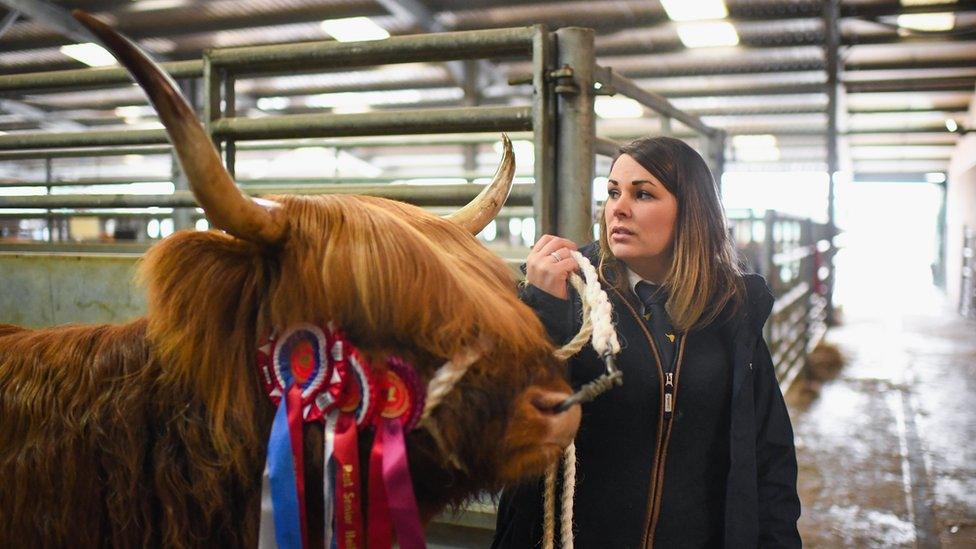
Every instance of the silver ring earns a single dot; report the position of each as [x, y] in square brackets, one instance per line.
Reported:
[555, 257]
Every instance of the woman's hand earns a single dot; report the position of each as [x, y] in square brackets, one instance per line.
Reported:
[549, 263]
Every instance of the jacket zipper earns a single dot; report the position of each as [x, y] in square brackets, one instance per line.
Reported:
[668, 398]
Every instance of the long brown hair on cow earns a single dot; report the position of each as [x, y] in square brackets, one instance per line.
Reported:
[154, 432]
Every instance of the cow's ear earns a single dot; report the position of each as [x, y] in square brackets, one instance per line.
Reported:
[204, 292]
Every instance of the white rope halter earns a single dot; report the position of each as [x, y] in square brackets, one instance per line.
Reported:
[597, 328]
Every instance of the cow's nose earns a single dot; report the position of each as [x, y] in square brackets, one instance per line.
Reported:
[561, 426]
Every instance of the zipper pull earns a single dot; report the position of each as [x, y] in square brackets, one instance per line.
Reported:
[668, 395]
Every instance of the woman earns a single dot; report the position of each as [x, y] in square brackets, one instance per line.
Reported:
[695, 449]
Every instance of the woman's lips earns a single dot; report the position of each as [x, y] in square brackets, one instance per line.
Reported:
[619, 234]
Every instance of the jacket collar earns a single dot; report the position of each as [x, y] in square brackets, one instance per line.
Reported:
[740, 330]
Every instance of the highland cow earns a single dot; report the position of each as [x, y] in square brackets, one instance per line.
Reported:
[154, 433]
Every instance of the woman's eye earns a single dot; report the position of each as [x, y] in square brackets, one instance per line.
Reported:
[644, 195]
[613, 193]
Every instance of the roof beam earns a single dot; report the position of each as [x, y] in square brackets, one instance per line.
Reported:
[53, 17]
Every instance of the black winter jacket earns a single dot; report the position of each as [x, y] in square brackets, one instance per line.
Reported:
[617, 500]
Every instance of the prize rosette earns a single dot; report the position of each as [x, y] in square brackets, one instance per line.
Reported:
[299, 355]
[357, 391]
[402, 397]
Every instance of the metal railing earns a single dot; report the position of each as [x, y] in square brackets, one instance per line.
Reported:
[560, 121]
[792, 253]
[967, 289]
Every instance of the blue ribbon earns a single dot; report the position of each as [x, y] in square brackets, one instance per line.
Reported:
[281, 471]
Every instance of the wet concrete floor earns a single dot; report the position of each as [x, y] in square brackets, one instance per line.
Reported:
[887, 448]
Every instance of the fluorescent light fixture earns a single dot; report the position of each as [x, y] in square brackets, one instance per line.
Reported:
[708, 34]
[756, 148]
[926, 2]
[354, 29]
[351, 109]
[373, 98]
[927, 21]
[90, 54]
[273, 103]
[617, 107]
[694, 10]
[951, 125]
[935, 177]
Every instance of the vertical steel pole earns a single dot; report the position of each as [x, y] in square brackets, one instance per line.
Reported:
[544, 131]
[229, 111]
[183, 217]
[831, 55]
[575, 136]
[48, 177]
[715, 157]
[472, 98]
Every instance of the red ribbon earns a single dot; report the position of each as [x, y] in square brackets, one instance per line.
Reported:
[379, 526]
[294, 407]
[349, 517]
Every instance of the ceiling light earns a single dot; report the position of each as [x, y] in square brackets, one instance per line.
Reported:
[756, 148]
[935, 177]
[925, 2]
[695, 10]
[354, 29]
[617, 107]
[90, 54]
[951, 125]
[707, 34]
[273, 103]
[927, 21]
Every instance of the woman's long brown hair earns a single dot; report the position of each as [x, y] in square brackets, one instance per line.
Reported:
[703, 277]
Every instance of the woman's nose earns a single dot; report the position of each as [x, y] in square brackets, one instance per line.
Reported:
[620, 208]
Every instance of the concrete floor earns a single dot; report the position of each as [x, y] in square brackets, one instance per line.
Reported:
[887, 450]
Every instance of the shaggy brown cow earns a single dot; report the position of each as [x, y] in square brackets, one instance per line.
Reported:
[154, 432]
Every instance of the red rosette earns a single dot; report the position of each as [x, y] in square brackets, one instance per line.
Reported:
[299, 356]
[402, 396]
[358, 389]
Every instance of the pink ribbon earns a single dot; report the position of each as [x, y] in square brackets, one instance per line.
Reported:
[399, 488]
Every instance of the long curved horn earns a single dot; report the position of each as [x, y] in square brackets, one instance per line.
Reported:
[478, 213]
[226, 207]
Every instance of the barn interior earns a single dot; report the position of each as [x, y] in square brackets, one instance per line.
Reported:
[841, 134]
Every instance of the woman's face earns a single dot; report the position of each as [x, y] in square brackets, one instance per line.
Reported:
[640, 216]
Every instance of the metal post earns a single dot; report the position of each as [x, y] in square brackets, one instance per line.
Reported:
[229, 111]
[831, 45]
[715, 156]
[472, 98]
[182, 218]
[48, 176]
[575, 135]
[544, 131]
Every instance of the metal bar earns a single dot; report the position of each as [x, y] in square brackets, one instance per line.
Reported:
[621, 84]
[53, 17]
[267, 181]
[505, 212]
[8, 21]
[82, 153]
[433, 195]
[831, 45]
[544, 104]
[77, 79]
[364, 142]
[376, 123]
[575, 136]
[399, 49]
[606, 147]
[87, 181]
[56, 140]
